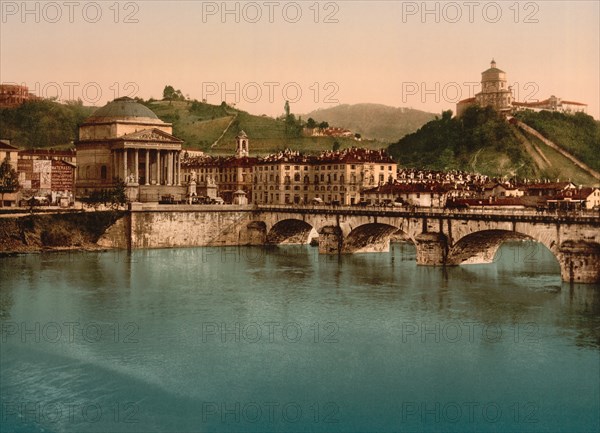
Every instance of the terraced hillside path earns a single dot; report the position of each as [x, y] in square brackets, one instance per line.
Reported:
[558, 148]
[235, 116]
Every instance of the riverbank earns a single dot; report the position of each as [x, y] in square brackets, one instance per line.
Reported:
[35, 232]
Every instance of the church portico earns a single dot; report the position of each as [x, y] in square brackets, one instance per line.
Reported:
[138, 165]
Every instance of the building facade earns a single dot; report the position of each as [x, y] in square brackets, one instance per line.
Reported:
[125, 141]
[289, 177]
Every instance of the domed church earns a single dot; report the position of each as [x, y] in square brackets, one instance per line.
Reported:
[125, 141]
[495, 92]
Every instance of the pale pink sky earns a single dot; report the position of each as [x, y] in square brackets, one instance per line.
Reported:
[390, 52]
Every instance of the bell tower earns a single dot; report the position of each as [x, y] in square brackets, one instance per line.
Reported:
[241, 141]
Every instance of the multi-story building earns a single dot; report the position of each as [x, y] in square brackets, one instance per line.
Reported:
[332, 177]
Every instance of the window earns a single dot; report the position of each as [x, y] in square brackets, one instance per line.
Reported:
[103, 172]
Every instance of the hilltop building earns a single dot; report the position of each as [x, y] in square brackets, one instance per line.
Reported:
[125, 141]
[552, 104]
[13, 95]
[495, 92]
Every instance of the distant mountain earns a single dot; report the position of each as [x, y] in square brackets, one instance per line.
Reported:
[373, 121]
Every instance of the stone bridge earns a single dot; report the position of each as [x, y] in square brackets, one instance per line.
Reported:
[440, 237]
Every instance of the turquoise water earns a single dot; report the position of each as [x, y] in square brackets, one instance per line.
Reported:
[285, 340]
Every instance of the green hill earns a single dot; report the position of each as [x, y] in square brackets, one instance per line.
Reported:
[375, 121]
[43, 123]
[578, 134]
[210, 128]
[483, 141]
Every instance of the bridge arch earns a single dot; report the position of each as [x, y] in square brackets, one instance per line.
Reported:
[369, 237]
[482, 246]
[289, 231]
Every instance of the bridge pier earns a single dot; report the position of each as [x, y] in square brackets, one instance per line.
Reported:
[579, 262]
[331, 240]
[432, 249]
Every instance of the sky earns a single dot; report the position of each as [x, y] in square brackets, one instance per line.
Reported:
[257, 55]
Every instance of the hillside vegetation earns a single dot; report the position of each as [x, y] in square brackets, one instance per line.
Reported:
[373, 120]
[578, 134]
[43, 123]
[206, 127]
[213, 128]
[483, 141]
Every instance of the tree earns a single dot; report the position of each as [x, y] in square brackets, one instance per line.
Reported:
[310, 123]
[170, 94]
[323, 125]
[287, 109]
[9, 179]
[336, 145]
[113, 198]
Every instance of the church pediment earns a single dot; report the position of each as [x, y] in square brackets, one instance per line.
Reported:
[153, 134]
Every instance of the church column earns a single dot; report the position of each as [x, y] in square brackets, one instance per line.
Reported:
[170, 168]
[173, 166]
[115, 167]
[137, 166]
[125, 165]
[179, 168]
[147, 173]
[157, 167]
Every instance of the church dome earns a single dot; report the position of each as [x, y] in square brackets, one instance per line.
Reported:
[124, 109]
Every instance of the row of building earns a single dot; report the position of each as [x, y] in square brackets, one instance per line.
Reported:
[289, 177]
[538, 195]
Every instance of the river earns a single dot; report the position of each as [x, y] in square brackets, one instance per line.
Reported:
[281, 339]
